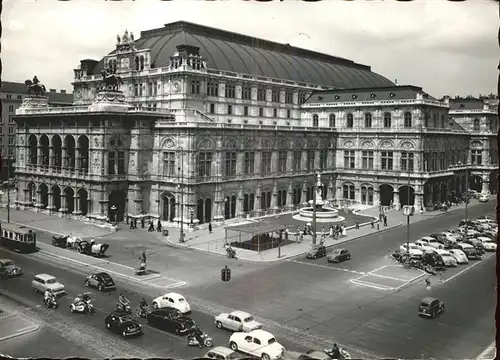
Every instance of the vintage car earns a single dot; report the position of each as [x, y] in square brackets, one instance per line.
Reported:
[415, 251]
[8, 269]
[489, 244]
[459, 255]
[430, 307]
[60, 241]
[338, 255]
[171, 320]
[223, 353]
[237, 321]
[258, 343]
[123, 324]
[172, 300]
[484, 198]
[44, 282]
[445, 255]
[470, 251]
[101, 280]
[431, 241]
[316, 252]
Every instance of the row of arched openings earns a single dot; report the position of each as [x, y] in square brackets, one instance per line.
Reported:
[407, 117]
[65, 153]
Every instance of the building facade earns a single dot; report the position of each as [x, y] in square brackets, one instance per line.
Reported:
[212, 126]
[12, 95]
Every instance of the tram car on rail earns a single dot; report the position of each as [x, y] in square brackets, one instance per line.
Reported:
[17, 237]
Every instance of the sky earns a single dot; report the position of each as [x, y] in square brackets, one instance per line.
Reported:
[446, 48]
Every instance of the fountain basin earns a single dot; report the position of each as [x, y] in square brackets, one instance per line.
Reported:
[323, 214]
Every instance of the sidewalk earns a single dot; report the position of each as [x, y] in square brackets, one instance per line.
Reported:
[13, 324]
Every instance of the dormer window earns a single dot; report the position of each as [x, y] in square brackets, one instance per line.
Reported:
[112, 66]
[476, 125]
[407, 120]
[315, 120]
[350, 121]
[354, 96]
[139, 63]
[368, 120]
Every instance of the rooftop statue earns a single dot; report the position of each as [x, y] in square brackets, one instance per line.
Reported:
[35, 86]
[111, 81]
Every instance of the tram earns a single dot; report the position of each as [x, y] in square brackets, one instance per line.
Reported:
[18, 238]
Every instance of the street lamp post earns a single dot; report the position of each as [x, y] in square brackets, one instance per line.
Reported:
[314, 212]
[180, 174]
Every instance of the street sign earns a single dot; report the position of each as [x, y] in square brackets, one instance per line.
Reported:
[407, 210]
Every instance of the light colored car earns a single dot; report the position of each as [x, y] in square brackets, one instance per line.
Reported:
[424, 246]
[470, 231]
[222, 353]
[172, 300]
[432, 242]
[448, 260]
[489, 245]
[451, 236]
[414, 250]
[258, 343]
[44, 282]
[459, 255]
[237, 321]
[484, 198]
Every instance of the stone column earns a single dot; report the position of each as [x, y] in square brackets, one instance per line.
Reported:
[218, 204]
[256, 205]
[239, 204]
[289, 196]
[39, 155]
[289, 161]
[78, 160]
[316, 159]
[331, 190]
[63, 208]
[486, 184]
[51, 156]
[395, 199]
[274, 195]
[240, 163]
[38, 203]
[418, 201]
[64, 155]
[304, 194]
[274, 162]
[26, 196]
[76, 205]
[51, 206]
[303, 165]
[376, 196]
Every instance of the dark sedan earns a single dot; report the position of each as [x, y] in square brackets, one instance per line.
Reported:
[123, 324]
[8, 269]
[316, 252]
[171, 320]
[101, 281]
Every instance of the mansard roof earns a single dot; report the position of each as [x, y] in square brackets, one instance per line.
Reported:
[228, 51]
[404, 92]
[466, 104]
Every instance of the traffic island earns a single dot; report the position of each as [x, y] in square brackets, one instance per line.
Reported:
[12, 325]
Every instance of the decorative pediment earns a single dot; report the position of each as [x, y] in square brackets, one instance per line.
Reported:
[266, 144]
[348, 144]
[206, 144]
[387, 144]
[476, 145]
[167, 143]
[250, 143]
[407, 145]
[427, 145]
[298, 144]
[283, 144]
[367, 144]
[230, 144]
[313, 144]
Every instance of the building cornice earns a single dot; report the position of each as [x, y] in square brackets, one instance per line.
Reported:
[349, 104]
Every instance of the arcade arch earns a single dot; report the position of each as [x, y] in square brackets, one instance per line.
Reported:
[168, 202]
[386, 194]
[406, 195]
[204, 210]
[117, 198]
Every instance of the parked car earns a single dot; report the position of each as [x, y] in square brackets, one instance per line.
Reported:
[171, 320]
[484, 198]
[316, 252]
[470, 251]
[430, 307]
[44, 282]
[434, 260]
[172, 300]
[314, 355]
[424, 246]
[123, 324]
[338, 255]
[258, 343]
[237, 321]
[449, 261]
[223, 353]
[459, 255]
[8, 269]
[489, 245]
[478, 244]
[415, 251]
[469, 223]
[101, 280]
[431, 241]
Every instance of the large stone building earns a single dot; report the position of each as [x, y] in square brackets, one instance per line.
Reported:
[215, 125]
[11, 95]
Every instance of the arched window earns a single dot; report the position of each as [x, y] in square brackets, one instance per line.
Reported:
[332, 120]
[142, 63]
[315, 120]
[368, 120]
[137, 63]
[348, 192]
[350, 121]
[387, 120]
[476, 124]
[407, 120]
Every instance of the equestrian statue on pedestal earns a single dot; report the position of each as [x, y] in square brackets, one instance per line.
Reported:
[35, 86]
[110, 81]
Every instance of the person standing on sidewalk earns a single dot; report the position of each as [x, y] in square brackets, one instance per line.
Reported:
[385, 220]
[372, 222]
[209, 228]
[357, 225]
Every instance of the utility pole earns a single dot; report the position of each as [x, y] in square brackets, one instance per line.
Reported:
[314, 213]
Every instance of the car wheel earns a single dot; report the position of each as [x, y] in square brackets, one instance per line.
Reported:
[87, 283]
[218, 324]
[155, 305]
[266, 357]
[233, 346]
[100, 287]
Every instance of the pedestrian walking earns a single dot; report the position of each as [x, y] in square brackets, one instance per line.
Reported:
[372, 223]
[385, 220]
[131, 224]
[209, 228]
[142, 223]
[357, 225]
[428, 282]
[158, 227]
[135, 223]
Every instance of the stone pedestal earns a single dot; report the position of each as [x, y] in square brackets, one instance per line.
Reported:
[109, 100]
[31, 103]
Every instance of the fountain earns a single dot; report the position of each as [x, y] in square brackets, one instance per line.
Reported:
[324, 213]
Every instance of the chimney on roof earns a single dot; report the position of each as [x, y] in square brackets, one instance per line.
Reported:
[53, 90]
[63, 91]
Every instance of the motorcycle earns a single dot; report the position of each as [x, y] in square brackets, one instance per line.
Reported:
[82, 307]
[193, 341]
[141, 312]
[231, 253]
[142, 269]
[50, 303]
[124, 308]
[343, 354]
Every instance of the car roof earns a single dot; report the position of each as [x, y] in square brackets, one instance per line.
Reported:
[102, 273]
[165, 311]
[428, 300]
[428, 238]
[441, 251]
[239, 313]
[174, 295]
[45, 276]
[221, 350]
[338, 250]
[261, 333]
